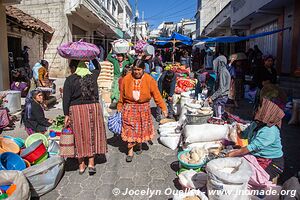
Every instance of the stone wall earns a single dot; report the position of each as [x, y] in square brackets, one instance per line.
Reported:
[51, 12]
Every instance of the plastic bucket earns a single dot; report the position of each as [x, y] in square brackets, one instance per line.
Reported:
[27, 163]
[41, 159]
[12, 161]
[8, 145]
[19, 141]
[35, 137]
[34, 152]
[187, 165]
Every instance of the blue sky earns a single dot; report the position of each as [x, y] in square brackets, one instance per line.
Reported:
[157, 11]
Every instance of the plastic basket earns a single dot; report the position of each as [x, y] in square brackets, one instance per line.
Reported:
[197, 119]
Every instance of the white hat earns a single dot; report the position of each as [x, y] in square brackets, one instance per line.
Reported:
[149, 50]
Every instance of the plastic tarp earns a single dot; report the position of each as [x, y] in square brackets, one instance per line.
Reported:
[232, 39]
[168, 41]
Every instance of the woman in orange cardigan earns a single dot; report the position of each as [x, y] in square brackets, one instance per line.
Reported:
[136, 92]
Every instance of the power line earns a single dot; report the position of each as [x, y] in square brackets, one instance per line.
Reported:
[178, 3]
[172, 14]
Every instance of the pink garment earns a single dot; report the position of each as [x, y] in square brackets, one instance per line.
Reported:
[260, 178]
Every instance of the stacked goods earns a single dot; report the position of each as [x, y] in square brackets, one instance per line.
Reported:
[105, 80]
[184, 85]
[178, 69]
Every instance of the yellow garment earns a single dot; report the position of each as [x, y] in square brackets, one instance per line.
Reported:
[82, 70]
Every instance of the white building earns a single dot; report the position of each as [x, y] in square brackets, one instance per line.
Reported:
[206, 11]
[95, 21]
[187, 27]
[142, 30]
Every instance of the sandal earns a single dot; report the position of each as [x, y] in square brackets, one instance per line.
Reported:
[82, 171]
[92, 171]
[129, 158]
[140, 150]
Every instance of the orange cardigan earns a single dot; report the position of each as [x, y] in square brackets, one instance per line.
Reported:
[149, 89]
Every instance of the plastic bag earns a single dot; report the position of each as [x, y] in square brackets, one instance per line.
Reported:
[115, 123]
[45, 176]
[193, 180]
[205, 133]
[15, 177]
[170, 140]
[228, 174]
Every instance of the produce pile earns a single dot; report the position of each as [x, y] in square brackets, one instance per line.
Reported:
[184, 85]
[195, 156]
[179, 69]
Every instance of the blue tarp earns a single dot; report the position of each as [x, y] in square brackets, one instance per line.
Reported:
[180, 40]
[232, 39]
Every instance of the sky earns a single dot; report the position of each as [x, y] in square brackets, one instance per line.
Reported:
[158, 11]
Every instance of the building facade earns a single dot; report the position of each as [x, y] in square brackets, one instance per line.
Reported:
[142, 30]
[4, 70]
[187, 27]
[206, 11]
[96, 21]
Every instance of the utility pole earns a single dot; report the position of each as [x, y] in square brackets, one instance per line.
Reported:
[135, 20]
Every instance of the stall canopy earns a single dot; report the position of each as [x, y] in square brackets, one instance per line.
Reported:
[176, 38]
[232, 39]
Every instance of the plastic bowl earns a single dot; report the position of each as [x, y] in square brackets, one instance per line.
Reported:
[41, 159]
[19, 141]
[34, 151]
[8, 145]
[12, 161]
[187, 165]
[35, 137]
[27, 163]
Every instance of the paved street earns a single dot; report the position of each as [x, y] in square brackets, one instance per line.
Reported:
[155, 168]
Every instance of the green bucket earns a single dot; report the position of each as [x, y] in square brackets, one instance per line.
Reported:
[35, 137]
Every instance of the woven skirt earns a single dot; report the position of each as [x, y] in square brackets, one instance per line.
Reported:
[88, 126]
[137, 123]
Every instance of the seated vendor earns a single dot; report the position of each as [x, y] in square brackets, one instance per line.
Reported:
[264, 138]
[34, 116]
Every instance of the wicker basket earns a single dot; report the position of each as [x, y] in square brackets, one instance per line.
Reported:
[197, 119]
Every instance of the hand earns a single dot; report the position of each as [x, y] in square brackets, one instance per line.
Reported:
[238, 129]
[67, 121]
[170, 99]
[165, 113]
[209, 100]
[50, 121]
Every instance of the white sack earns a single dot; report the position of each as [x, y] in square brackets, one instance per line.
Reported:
[193, 180]
[181, 195]
[205, 133]
[171, 141]
[8, 177]
[228, 174]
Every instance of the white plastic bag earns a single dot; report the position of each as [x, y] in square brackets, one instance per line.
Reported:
[170, 140]
[193, 180]
[8, 177]
[205, 133]
[169, 124]
[120, 46]
[230, 175]
[45, 176]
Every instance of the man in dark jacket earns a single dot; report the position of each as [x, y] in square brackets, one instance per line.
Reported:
[166, 86]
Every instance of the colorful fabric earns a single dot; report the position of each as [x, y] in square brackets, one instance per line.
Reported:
[115, 90]
[78, 51]
[137, 123]
[4, 118]
[259, 178]
[88, 126]
[115, 123]
[269, 113]
[82, 70]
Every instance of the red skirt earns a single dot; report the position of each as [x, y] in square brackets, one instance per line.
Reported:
[88, 126]
[137, 124]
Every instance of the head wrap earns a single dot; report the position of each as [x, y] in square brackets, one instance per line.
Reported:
[82, 70]
[28, 103]
[269, 113]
